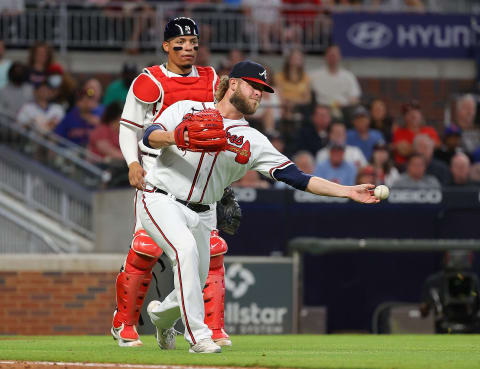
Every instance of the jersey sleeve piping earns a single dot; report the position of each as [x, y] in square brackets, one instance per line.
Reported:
[283, 165]
[129, 122]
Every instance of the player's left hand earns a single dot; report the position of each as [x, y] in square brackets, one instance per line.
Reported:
[363, 193]
[136, 175]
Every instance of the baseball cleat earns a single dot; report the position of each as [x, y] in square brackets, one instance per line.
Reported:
[220, 337]
[126, 335]
[166, 338]
[205, 346]
[223, 342]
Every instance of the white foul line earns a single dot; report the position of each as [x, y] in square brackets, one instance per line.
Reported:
[110, 365]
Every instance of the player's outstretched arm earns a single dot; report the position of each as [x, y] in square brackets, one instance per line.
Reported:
[360, 193]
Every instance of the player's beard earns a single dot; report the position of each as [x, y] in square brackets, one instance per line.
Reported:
[241, 103]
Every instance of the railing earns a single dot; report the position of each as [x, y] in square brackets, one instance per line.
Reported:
[18, 236]
[74, 25]
[44, 190]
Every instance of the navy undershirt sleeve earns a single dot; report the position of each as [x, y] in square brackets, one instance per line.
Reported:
[292, 176]
[148, 132]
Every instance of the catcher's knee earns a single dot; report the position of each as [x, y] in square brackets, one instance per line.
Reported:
[143, 254]
[218, 246]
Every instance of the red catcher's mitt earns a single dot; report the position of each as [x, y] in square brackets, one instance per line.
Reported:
[205, 132]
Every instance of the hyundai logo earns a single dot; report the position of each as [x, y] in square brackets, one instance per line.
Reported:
[369, 35]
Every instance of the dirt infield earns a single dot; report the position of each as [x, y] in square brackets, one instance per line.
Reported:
[61, 365]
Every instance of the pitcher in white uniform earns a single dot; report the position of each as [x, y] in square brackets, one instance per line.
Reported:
[183, 188]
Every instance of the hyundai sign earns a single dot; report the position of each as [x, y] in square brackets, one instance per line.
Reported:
[401, 35]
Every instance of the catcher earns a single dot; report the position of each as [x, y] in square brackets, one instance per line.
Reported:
[150, 94]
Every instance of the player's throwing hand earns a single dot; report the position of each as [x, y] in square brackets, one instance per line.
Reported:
[363, 193]
[136, 175]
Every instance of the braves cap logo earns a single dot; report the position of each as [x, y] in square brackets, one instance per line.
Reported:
[263, 74]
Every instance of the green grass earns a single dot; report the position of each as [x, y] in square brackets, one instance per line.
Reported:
[288, 351]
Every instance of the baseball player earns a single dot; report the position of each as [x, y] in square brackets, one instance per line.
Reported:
[150, 94]
[195, 164]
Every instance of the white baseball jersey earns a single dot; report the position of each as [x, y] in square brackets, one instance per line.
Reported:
[139, 115]
[202, 177]
[184, 234]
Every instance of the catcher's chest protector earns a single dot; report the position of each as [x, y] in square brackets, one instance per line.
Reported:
[185, 88]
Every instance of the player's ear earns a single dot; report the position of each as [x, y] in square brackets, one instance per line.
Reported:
[165, 46]
[233, 83]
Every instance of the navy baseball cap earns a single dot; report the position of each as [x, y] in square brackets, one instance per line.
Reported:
[250, 71]
[181, 26]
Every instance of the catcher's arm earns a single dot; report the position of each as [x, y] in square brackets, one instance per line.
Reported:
[157, 138]
[202, 131]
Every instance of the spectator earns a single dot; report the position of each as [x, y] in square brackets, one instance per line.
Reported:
[79, 122]
[305, 161]
[293, 84]
[301, 21]
[118, 89]
[4, 65]
[41, 114]
[362, 136]
[17, 92]
[380, 119]
[203, 56]
[366, 175]
[399, 5]
[423, 145]
[475, 173]
[466, 109]
[338, 134]
[313, 136]
[333, 85]
[335, 168]
[415, 176]
[251, 179]
[460, 169]
[385, 171]
[40, 60]
[234, 56]
[63, 85]
[288, 125]
[104, 140]
[403, 136]
[450, 144]
[12, 7]
[95, 89]
[277, 141]
[264, 17]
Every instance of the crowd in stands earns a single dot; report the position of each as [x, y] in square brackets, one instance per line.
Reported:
[267, 25]
[319, 118]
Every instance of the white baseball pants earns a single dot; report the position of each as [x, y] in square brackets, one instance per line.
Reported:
[184, 236]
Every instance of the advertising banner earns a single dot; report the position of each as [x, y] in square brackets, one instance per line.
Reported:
[259, 296]
[405, 35]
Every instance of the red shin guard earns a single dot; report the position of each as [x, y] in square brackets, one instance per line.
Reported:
[133, 282]
[214, 291]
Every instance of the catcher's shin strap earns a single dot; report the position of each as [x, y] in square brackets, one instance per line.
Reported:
[197, 208]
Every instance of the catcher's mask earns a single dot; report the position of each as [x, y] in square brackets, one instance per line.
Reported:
[180, 26]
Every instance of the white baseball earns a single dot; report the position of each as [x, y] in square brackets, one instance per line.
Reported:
[381, 192]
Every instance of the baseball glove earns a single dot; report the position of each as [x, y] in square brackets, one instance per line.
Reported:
[229, 213]
[205, 132]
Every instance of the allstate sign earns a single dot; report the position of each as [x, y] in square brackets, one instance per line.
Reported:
[404, 35]
[369, 35]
